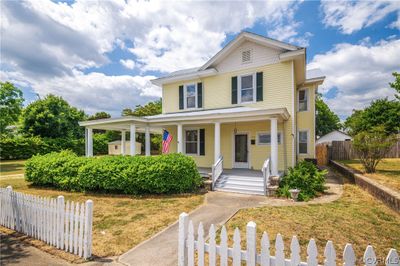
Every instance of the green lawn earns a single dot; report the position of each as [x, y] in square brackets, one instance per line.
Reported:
[12, 167]
[355, 218]
[387, 172]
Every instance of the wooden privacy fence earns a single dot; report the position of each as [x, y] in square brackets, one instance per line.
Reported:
[188, 247]
[343, 150]
[65, 226]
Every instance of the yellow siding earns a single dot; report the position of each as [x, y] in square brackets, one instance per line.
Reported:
[258, 153]
[306, 121]
[278, 92]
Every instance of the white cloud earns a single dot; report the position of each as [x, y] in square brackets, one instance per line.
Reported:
[53, 47]
[360, 72]
[94, 91]
[128, 63]
[351, 16]
[396, 24]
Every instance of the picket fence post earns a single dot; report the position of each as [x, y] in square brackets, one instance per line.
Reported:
[87, 247]
[183, 231]
[64, 226]
[250, 256]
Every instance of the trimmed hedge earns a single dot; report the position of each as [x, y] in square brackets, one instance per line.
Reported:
[306, 177]
[20, 147]
[171, 173]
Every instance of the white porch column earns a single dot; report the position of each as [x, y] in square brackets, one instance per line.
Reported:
[147, 141]
[123, 142]
[274, 146]
[132, 137]
[180, 139]
[217, 141]
[89, 142]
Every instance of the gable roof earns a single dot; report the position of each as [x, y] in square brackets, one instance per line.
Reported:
[248, 36]
[288, 52]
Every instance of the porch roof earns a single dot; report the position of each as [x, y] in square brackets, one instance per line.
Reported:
[223, 115]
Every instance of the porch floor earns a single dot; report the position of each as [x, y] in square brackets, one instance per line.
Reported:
[204, 171]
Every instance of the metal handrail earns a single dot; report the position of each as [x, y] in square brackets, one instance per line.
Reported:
[266, 170]
[217, 169]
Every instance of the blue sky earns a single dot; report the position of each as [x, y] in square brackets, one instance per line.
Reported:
[101, 55]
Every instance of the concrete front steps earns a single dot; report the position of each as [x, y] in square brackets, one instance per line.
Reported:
[245, 184]
[240, 184]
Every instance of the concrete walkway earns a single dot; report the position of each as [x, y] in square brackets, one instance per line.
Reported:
[15, 252]
[162, 249]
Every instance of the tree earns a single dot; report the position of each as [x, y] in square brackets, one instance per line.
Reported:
[380, 112]
[99, 115]
[52, 117]
[372, 146]
[10, 105]
[396, 84]
[151, 108]
[326, 120]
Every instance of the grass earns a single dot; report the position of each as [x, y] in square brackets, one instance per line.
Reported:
[355, 218]
[12, 167]
[387, 171]
[120, 222]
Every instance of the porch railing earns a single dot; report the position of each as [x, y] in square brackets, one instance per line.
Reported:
[266, 171]
[217, 169]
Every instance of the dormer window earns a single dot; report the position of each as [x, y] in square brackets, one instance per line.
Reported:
[246, 56]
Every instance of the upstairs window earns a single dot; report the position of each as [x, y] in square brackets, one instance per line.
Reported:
[303, 100]
[190, 96]
[247, 88]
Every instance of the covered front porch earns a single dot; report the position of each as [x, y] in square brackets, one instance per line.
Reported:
[223, 140]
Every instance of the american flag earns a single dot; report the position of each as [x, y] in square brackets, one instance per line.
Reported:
[166, 140]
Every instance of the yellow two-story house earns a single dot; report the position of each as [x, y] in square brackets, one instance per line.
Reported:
[251, 106]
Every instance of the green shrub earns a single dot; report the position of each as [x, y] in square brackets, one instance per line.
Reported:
[171, 173]
[21, 147]
[306, 177]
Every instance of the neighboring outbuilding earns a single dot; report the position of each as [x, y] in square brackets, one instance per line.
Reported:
[335, 135]
[114, 147]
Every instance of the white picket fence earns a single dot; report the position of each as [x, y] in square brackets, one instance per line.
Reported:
[188, 247]
[65, 226]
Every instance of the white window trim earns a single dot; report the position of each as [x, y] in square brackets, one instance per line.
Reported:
[266, 132]
[198, 141]
[307, 99]
[239, 92]
[308, 142]
[185, 96]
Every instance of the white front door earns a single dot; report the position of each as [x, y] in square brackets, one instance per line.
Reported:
[241, 150]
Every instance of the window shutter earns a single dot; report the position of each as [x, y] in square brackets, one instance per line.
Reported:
[199, 95]
[259, 80]
[181, 97]
[234, 90]
[202, 142]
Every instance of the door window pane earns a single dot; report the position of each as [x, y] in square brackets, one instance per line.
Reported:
[241, 148]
